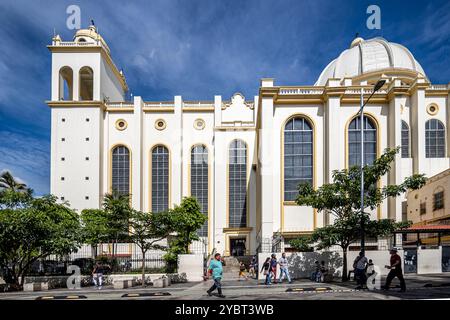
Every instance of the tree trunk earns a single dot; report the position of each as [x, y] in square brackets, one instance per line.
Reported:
[143, 268]
[344, 267]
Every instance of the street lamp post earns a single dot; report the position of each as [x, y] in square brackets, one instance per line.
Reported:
[377, 87]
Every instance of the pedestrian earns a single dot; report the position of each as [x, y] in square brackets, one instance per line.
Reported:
[316, 275]
[323, 271]
[396, 271]
[215, 269]
[370, 268]
[242, 270]
[266, 270]
[97, 275]
[283, 262]
[273, 267]
[359, 265]
[253, 267]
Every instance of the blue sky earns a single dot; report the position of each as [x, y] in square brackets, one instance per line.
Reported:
[196, 49]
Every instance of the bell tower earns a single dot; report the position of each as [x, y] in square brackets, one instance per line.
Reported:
[84, 79]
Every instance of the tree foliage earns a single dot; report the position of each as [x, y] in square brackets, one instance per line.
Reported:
[342, 199]
[27, 234]
[187, 219]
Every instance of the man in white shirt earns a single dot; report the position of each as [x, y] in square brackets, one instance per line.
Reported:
[283, 262]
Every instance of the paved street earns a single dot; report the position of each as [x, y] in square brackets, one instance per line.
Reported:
[419, 287]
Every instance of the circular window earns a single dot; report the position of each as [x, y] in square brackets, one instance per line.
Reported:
[199, 124]
[432, 109]
[121, 124]
[160, 124]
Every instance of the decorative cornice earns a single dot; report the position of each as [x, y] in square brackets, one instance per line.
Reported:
[75, 104]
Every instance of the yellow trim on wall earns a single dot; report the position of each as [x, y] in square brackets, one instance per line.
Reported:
[237, 235]
[209, 186]
[292, 203]
[169, 198]
[247, 174]
[377, 125]
[110, 167]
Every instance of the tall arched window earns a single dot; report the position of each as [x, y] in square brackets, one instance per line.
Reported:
[160, 179]
[434, 139]
[199, 182]
[298, 156]
[120, 175]
[354, 141]
[86, 84]
[237, 184]
[65, 84]
[405, 140]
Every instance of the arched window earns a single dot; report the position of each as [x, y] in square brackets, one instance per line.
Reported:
[434, 139]
[298, 156]
[199, 182]
[354, 141]
[86, 84]
[237, 184]
[160, 179]
[65, 84]
[120, 175]
[405, 140]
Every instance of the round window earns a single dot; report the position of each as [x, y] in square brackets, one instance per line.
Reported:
[121, 124]
[199, 124]
[160, 124]
[432, 109]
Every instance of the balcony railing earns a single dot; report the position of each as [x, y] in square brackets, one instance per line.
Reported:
[159, 104]
[120, 105]
[288, 91]
[198, 104]
[438, 87]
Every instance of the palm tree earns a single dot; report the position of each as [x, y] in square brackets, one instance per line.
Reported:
[7, 182]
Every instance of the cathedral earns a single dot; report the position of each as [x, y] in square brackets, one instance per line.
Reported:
[241, 157]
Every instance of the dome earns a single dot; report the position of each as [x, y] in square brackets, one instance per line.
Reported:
[90, 36]
[369, 56]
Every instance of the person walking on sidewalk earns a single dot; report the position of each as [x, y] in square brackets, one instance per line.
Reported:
[283, 262]
[359, 265]
[273, 267]
[266, 270]
[242, 270]
[396, 271]
[215, 269]
[253, 268]
[97, 275]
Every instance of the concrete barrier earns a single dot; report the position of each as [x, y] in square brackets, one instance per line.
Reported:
[124, 283]
[35, 286]
[429, 260]
[191, 265]
[159, 283]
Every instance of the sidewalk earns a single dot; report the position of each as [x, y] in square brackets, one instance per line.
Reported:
[418, 287]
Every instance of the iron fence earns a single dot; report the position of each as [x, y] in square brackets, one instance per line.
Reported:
[121, 258]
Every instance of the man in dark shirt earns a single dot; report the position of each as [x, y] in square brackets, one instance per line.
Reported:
[396, 271]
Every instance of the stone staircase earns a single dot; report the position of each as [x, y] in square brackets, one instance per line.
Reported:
[231, 267]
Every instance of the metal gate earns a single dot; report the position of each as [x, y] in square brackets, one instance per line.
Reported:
[445, 258]
[410, 260]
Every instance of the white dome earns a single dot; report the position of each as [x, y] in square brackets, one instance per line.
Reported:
[371, 55]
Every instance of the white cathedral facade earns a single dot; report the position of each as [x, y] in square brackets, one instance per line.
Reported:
[242, 158]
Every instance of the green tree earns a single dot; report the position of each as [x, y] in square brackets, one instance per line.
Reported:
[95, 227]
[147, 229]
[187, 219]
[118, 210]
[341, 198]
[28, 234]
